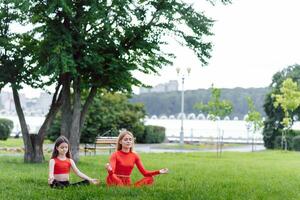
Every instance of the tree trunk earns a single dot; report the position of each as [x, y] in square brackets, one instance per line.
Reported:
[28, 148]
[54, 108]
[78, 117]
[34, 143]
[66, 116]
[75, 126]
[87, 104]
[37, 145]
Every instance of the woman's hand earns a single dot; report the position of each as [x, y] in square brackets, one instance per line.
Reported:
[108, 167]
[164, 171]
[50, 180]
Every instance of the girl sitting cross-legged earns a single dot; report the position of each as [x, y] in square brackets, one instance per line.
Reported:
[122, 162]
[60, 164]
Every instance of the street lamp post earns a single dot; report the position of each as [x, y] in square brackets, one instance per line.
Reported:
[182, 74]
[248, 126]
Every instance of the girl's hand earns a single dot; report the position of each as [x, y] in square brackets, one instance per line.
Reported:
[95, 181]
[108, 167]
[50, 180]
[164, 171]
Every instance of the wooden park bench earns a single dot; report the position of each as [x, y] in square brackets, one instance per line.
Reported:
[101, 143]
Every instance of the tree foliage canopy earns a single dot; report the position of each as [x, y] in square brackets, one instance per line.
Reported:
[14, 49]
[215, 107]
[104, 41]
[276, 114]
[253, 117]
[107, 115]
[288, 99]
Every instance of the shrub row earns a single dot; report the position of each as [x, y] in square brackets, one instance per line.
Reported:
[151, 134]
[293, 142]
[6, 127]
[148, 134]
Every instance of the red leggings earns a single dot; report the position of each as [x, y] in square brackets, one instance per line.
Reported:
[113, 179]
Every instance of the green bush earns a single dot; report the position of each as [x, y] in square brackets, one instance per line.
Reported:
[278, 145]
[138, 131]
[295, 132]
[296, 143]
[154, 134]
[107, 115]
[289, 135]
[6, 127]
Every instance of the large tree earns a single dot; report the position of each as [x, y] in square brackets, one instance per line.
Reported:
[289, 100]
[16, 69]
[86, 45]
[275, 115]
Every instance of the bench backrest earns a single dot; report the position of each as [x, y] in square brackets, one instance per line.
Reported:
[106, 140]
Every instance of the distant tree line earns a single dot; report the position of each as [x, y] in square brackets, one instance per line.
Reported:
[170, 103]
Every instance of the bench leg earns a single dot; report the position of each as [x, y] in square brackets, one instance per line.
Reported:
[110, 149]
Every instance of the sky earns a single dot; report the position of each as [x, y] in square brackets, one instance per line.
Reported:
[253, 39]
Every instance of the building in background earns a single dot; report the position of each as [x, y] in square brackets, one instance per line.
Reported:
[164, 87]
[44, 102]
[31, 106]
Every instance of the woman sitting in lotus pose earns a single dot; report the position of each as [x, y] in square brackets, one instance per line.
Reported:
[122, 162]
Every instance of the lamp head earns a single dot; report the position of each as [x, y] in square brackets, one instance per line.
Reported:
[178, 70]
[189, 70]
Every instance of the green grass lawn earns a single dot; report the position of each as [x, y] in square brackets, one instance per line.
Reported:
[258, 175]
[16, 142]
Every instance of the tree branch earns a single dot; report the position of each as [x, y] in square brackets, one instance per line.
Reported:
[87, 104]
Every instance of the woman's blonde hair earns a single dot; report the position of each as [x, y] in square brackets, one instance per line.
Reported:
[121, 136]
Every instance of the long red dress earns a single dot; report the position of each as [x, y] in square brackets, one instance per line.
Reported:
[122, 164]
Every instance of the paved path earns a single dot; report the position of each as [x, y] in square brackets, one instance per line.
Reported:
[157, 148]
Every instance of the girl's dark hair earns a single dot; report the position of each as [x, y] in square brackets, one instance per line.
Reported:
[58, 141]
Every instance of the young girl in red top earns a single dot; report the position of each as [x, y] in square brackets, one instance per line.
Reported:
[122, 162]
[60, 164]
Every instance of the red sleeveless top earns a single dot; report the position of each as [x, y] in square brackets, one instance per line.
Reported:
[62, 166]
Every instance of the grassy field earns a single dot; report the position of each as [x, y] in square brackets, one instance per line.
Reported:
[258, 175]
[13, 142]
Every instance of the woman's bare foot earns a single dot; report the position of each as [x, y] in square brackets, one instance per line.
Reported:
[95, 181]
